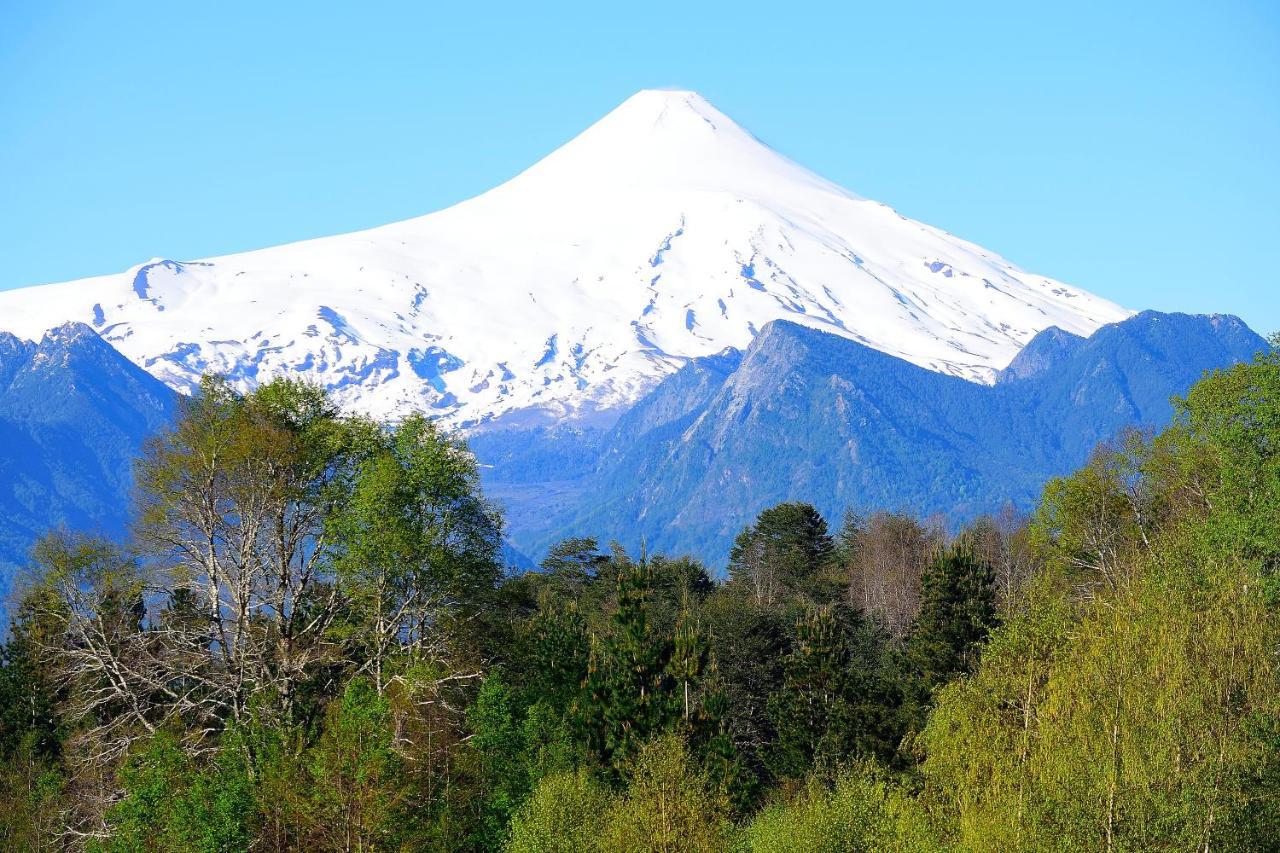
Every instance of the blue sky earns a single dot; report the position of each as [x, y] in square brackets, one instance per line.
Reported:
[1129, 148]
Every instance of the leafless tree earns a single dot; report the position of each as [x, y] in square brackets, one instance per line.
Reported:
[885, 559]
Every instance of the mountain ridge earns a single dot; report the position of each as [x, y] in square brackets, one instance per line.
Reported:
[74, 414]
[805, 415]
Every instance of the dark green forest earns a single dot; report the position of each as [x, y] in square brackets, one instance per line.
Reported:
[311, 643]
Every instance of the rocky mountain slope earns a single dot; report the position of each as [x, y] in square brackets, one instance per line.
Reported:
[73, 416]
[807, 415]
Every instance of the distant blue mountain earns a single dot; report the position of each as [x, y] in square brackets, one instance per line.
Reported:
[800, 415]
[804, 415]
[73, 416]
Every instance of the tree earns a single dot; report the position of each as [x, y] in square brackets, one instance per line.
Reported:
[355, 773]
[566, 813]
[172, 803]
[668, 806]
[825, 711]
[1004, 542]
[784, 553]
[498, 745]
[864, 810]
[749, 643]
[85, 622]
[1233, 414]
[957, 613]
[884, 557]
[556, 653]
[690, 656]
[234, 501]
[573, 563]
[34, 812]
[629, 691]
[1130, 701]
[416, 542]
[29, 718]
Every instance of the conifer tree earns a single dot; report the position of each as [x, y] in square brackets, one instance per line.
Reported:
[958, 611]
[689, 655]
[825, 709]
[630, 691]
[783, 554]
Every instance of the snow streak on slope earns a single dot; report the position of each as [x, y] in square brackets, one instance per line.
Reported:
[663, 232]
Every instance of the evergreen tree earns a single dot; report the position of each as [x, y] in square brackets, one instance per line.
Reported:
[826, 710]
[629, 690]
[958, 611]
[785, 553]
[690, 654]
[555, 648]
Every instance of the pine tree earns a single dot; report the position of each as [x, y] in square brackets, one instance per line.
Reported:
[827, 709]
[557, 650]
[957, 613]
[629, 690]
[689, 656]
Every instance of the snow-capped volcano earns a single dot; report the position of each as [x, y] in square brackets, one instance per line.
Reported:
[663, 232]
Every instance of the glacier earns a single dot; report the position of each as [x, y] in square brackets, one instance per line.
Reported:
[663, 233]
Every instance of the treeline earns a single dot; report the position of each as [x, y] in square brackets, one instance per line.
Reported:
[311, 644]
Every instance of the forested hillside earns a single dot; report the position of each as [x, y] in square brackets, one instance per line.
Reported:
[804, 415]
[73, 414]
[311, 644]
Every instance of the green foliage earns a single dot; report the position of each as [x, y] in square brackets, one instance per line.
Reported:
[1137, 730]
[556, 652]
[33, 810]
[863, 811]
[1235, 413]
[317, 652]
[749, 643]
[629, 692]
[498, 743]
[669, 805]
[357, 788]
[172, 803]
[690, 657]
[827, 709]
[29, 722]
[546, 736]
[783, 554]
[1130, 702]
[566, 813]
[573, 564]
[957, 613]
[416, 541]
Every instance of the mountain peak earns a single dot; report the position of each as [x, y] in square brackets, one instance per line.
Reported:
[70, 332]
[661, 105]
[668, 139]
[664, 232]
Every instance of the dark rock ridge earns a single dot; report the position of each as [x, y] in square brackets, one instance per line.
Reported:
[805, 415]
[73, 415]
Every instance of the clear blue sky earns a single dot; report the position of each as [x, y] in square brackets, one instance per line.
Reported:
[1130, 148]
